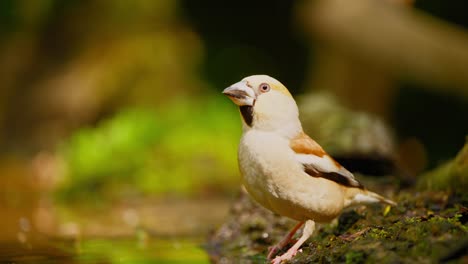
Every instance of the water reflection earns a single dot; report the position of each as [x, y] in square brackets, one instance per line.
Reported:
[35, 229]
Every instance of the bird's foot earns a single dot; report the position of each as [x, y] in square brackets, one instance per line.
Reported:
[286, 256]
[272, 251]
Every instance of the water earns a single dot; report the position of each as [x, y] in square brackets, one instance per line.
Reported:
[35, 229]
[105, 250]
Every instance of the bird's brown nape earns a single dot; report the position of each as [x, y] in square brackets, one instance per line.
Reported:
[247, 114]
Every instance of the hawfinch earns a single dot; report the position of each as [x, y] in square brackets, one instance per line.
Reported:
[285, 170]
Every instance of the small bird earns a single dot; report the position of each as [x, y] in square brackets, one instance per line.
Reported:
[285, 170]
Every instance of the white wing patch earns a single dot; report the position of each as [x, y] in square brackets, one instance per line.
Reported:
[323, 164]
[326, 167]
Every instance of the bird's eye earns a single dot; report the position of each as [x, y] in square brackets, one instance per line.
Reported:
[264, 87]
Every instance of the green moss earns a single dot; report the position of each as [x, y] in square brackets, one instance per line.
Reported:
[409, 233]
[354, 257]
[378, 233]
[452, 175]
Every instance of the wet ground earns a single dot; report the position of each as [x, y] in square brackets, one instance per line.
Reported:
[425, 227]
[34, 228]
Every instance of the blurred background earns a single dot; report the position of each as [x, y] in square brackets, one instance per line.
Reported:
[116, 141]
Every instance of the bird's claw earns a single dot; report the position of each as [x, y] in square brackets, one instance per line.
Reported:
[286, 256]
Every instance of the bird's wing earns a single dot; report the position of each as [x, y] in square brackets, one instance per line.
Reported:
[318, 163]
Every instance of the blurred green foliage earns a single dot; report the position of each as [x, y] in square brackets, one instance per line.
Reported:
[146, 250]
[66, 64]
[186, 147]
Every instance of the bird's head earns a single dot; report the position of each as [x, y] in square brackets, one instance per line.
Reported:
[265, 104]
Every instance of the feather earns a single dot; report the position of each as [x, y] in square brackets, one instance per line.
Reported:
[318, 163]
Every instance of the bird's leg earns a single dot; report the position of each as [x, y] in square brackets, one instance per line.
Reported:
[306, 233]
[284, 241]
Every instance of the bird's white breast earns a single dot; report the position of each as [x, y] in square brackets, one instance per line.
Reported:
[274, 178]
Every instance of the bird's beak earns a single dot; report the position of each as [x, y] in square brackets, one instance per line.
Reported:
[240, 94]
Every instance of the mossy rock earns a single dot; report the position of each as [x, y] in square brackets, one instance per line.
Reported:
[452, 175]
[426, 227]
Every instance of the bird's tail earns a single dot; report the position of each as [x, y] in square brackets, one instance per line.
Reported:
[367, 197]
[381, 198]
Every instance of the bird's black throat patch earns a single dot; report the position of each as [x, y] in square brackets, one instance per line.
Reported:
[247, 114]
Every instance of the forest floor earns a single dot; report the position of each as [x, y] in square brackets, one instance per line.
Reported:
[425, 227]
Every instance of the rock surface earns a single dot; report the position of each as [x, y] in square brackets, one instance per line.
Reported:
[425, 227]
